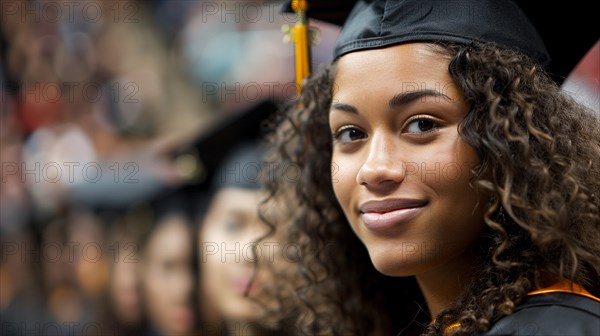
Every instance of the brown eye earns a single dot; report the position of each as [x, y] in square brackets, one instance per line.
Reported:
[421, 125]
[349, 134]
[233, 225]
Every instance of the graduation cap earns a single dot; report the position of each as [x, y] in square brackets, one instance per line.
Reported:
[221, 156]
[556, 36]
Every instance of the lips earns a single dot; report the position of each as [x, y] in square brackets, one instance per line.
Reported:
[183, 317]
[240, 285]
[389, 214]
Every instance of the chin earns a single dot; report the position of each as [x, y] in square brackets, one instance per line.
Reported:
[393, 269]
[244, 311]
[392, 264]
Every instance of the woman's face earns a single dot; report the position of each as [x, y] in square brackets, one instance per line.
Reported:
[400, 170]
[227, 237]
[167, 277]
[124, 289]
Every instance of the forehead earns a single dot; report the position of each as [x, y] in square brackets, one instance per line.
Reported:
[171, 235]
[237, 199]
[395, 69]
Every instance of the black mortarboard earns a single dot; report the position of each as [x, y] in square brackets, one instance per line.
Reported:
[213, 146]
[566, 30]
[228, 155]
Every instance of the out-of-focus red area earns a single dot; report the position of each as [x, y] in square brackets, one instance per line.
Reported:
[584, 81]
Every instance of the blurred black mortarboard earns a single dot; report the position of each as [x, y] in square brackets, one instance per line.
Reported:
[566, 29]
[233, 139]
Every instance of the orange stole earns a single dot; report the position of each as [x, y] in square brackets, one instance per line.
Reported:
[564, 286]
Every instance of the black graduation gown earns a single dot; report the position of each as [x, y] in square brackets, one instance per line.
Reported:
[552, 314]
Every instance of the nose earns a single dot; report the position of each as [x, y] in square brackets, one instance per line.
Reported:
[183, 285]
[383, 167]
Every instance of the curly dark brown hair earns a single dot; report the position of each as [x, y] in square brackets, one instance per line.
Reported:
[538, 152]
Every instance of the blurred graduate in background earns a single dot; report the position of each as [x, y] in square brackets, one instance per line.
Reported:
[93, 112]
[233, 259]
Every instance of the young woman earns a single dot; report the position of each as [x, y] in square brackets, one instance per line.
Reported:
[463, 193]
[227, 251]
[167, 275]
[233, 268]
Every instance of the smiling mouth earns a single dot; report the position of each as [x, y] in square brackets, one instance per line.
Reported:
[240, 285]
[389, 214]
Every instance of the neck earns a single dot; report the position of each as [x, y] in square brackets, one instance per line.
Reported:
[442, 285]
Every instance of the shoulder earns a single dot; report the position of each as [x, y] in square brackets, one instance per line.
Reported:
[551, 314]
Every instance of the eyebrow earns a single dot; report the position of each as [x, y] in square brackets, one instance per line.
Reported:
[344, 107]
[400, 99]
[406, 98]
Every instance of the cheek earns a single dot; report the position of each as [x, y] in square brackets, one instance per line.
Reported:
[155, 285]
[210, 256]
[212, 279]
[343, 180]
[448, 177]
[444, 167]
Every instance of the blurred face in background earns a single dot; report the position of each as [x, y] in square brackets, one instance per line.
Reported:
[227, 242]
[167, 277]
[124, 288]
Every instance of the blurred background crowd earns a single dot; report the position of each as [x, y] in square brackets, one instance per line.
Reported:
[101, 101]
[103, 105]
